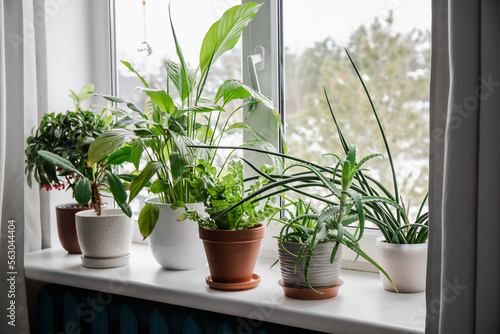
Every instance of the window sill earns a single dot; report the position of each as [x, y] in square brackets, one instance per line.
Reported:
[362, 304]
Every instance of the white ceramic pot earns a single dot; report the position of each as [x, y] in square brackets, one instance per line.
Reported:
[322, 273]
[406, 264]
[104, 240]
[175, 244]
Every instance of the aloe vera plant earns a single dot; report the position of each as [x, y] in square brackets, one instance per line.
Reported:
[344, 205]
[395, 227]
[171, 123]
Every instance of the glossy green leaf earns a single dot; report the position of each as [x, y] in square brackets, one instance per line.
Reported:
[58, 161]
[82, 191]
[136, 153]
[233, 90]
[134, 71]
[119, 156]
[107, 143]
[143, 178]
[117, 188]
[85, 92]
[225, 33]
[161, 99]
[159, 186]
[148, 218]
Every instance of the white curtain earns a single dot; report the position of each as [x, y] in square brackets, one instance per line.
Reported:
[22, 100]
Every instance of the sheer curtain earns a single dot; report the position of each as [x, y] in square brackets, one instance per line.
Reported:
[22, 99]
[463, 291]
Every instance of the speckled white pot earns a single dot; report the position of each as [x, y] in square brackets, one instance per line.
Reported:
[322, 273]
[406, 264]
[175, 244]
[106, 236]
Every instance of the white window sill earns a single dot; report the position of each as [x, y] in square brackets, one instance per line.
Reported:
[362, 305]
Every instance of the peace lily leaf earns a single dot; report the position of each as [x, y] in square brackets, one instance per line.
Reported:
[86, 92]
[148, 218]
[83, 191]
[136, 153]
[126, 63]
[119, 156]
[233, 89]
[161, 99]
[117, 188]
[143, 178]
[58, 161]
[107, 143]
[225, 33]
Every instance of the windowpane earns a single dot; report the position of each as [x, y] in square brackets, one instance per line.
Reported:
[390, 43]
[191, 20]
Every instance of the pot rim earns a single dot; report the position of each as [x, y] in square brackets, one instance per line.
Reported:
[254, 233]
[156, 200]
[381, 242]
[68, 206]
[109, 213]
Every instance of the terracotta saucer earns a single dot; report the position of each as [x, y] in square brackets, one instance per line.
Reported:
[308, 294]
[233, 286]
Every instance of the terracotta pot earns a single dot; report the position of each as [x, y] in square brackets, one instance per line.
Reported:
[406, 264]
[231, 254]
[65, 215]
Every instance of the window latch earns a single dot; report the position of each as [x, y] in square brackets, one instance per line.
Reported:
[256, 63]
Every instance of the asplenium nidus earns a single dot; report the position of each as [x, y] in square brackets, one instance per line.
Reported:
[179, 116]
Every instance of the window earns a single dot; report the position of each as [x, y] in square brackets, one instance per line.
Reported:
[303, 53]
[136, 24]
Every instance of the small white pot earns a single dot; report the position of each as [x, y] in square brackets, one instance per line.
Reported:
[406, 264]
[175, 244]
[104, 240]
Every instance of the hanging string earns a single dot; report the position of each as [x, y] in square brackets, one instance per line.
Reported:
[144, 48]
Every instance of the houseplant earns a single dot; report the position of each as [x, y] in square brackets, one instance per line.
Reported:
[104, 235]
[168, 125]
[402, 248]
[69, 136]
[231, 240]
[309, 230]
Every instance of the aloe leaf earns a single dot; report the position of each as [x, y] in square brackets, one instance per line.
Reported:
[83, 191]
[359, 207]
[58, 161]
[117, 188]
[225, 33]
[148, 218]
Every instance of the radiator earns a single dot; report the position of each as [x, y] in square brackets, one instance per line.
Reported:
[69, 310]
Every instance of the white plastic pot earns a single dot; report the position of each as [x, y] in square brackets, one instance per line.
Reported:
[104, 240]
[406, 264]
[175, 244]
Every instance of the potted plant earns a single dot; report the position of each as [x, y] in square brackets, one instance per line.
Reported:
[402, 248]
[310, 229]
[231, 240]
[165, 129]
[104, 235]
[68, 135]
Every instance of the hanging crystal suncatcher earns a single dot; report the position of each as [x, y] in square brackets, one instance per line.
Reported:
[144, 48]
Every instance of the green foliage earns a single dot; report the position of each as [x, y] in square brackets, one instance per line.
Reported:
[396, 68]
[169, 126]
[395, 227]
[218, 193]
[68, 135]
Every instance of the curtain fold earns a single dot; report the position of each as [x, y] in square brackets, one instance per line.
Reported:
[13, 299]
[464, 269]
